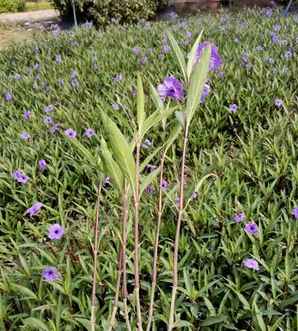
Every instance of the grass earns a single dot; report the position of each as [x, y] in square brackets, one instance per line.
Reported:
[31, 6]
[252, 152]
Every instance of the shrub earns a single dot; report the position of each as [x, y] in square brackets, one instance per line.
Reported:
[11, 5]
[102, 12]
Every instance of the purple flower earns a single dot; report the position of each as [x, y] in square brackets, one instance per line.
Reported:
[205, 92]
[147, 144]
[50, 274]
[48, 120]
[274, 38]
[166, 49]
[89, 133]
[70, 133]
[215, 59]
[194, 195]
[24, 135]
[239, 217]
[251, 264]
[233, 108]
[20, 177]
[34, 210]
[61, 82]
[42, 165]
[171, 87]
[164, 185]
[118, 78]
[27, 114]
[48, 109]
[55, 128]
[136, 50]
[278, 103]
[288, 54]
[74, 82]
[55, 232]
[276, 27]
[251, 228]
[150, 189]
[58, 59]
[17, 76]
[295, 213]
[107, 181]
[115, 106]
[8, 96]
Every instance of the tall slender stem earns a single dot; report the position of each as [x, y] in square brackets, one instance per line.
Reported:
[95, 249]
[118, 285]
[177, 237]
[124, 240]
[136, 237]
[156, 243]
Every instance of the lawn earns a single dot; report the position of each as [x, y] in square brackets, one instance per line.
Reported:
[244, 136]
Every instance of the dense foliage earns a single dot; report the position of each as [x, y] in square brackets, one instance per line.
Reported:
[103, 12]
[245, 133]
[11, 5]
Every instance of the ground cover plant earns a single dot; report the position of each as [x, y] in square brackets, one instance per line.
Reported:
[237, 257]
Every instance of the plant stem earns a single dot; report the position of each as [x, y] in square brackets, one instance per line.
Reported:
[95, 248]
[177, 237]
[136, 238]
[156, 243]
[124, 240]
[116, 299]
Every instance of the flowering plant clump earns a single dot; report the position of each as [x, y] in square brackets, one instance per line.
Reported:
[133, 162]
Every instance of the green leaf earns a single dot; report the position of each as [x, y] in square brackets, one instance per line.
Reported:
[158, 103]
[197, 82]
[214, 320]
[85, 323]
[192, 56]
[259, 317]
[140, 104]
[24, 291]
[121, 150]
[110, 166]
[173, 136]
[147, 180]
[149, 158]
[155, 118]
[179, 55]
[198, 186]
[35, 323]
[92, 159]
[180, 115]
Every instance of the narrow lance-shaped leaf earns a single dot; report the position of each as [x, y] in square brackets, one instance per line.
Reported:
[192, 56]
[155, 118]
[198, 186]
[197, 82]
[158, 103]
[121, 150]
[179, 54]
[140, 104]
[92, 159]
[35, 324]
[147, 180]
[111, 168]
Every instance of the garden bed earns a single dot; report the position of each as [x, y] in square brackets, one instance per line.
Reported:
[238, 248]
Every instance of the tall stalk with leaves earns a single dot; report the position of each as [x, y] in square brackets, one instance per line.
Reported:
[124, 162]
[195, 76]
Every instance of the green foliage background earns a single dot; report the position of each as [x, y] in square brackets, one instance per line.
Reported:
[102, 12]
[253, 153]
[11, 5]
